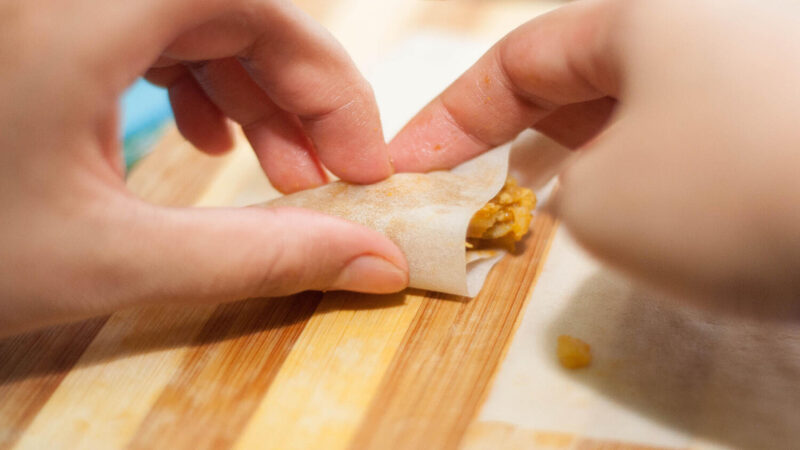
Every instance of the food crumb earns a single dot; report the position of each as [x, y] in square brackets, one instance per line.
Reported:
[505, 219]
[573, 353]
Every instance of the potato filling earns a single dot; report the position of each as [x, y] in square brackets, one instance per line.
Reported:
[504, 220]
[573, 353]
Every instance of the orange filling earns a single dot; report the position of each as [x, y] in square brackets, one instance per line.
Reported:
[504, 220]
[573, 353]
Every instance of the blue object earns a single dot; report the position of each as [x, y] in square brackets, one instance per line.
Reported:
[145, 112]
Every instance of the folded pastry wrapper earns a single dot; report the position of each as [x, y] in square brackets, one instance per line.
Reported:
[426, 215]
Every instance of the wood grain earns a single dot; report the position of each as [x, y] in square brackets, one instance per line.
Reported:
[492, 435]
[442, 369]
[104, 398]
[597, 444]
[222, 379]
[32, 366]
[324, 388]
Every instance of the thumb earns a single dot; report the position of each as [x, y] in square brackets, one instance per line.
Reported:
[212, 255]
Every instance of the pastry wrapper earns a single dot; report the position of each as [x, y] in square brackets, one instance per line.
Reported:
[426, 215]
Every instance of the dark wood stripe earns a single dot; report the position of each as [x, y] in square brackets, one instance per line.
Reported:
[441, 373]
[221, 382]
[31, 369]
[596, 444]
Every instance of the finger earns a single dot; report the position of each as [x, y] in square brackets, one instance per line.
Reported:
[219, 255]
[117, 57]
[562, 58]
[294, 60]
[167, 75]
[278, 139]
[164, 62]
[285, 152]
[198, 119]
[306, 72]
[576, 124]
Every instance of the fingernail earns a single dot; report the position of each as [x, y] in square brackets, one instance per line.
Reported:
[371, 274]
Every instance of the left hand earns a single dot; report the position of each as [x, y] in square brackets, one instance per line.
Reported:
[75, 243]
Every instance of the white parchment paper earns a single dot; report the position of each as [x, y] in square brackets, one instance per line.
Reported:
[426, 215]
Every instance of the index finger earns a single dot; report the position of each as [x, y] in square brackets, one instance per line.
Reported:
[562, 58]
[291, 58]
[306, 72]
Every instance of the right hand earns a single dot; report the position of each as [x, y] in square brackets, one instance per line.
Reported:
[685, 115]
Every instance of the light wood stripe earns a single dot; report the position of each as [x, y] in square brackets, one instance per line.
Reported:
[222, 380]
[500, 435]
[130, 361]
[594, 444]
[31, 368]
[441, 373]
[324, 388]
[495, 435]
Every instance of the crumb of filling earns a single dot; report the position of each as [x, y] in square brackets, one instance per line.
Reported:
[573, 353]
[504, 220]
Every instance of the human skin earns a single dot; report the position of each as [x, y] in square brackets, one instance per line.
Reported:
[684, 115]
[74, 243]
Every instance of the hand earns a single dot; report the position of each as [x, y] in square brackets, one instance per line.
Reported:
[685, 116]
[74, 243]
